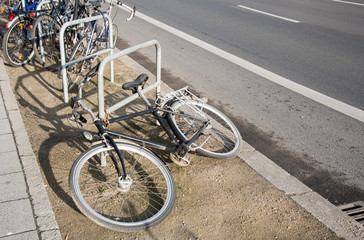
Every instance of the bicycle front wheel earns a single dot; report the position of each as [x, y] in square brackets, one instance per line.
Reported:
[46, 42]
[138, 202]
[220, 139]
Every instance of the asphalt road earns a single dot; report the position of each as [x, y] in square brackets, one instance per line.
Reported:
[322, 49]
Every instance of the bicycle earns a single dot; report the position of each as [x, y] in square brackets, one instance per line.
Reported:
[17, 44]
[7, 6]
[17, 41]
[45, 33]
[94, 38]
[123, 185]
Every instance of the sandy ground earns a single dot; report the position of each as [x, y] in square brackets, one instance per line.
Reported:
[216, 199]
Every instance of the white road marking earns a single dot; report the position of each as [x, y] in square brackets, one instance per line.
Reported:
[269, 14]
[284, 82]
[353, 3]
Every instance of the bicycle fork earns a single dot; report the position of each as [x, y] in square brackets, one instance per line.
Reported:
[109, 141]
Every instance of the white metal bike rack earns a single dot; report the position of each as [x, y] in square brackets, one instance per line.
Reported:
[100, 79]
[65, 64]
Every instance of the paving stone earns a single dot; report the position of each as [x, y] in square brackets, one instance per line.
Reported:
[7, 144]
[8, 96]
[32, 235]
[5, 126]
[16, 217]
[2, 112]
[12, 187]
[1, 100]
[9, 163]
[20, 133]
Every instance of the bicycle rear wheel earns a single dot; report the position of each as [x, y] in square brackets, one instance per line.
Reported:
[103, 34]
[17, 46]
[143, 200]
[221, 139]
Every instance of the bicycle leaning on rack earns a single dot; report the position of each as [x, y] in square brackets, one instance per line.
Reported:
[124, 186]
[95, 37]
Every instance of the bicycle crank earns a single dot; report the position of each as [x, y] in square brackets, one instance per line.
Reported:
[181, 161]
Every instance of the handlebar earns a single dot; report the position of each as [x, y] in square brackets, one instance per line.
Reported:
[131, 10]
[126, 7]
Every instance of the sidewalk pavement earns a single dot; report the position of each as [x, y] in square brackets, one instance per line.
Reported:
[26, 212]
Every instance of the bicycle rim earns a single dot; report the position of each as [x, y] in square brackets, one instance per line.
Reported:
[98, 194]
[220, 139]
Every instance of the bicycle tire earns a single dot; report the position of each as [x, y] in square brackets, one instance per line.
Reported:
[221, 139]
[115, 32]
[146, 203]
[74, 71]
[17, 45]
[103, 38]
[46, 42]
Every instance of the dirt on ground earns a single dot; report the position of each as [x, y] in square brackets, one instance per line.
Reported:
[216, 199]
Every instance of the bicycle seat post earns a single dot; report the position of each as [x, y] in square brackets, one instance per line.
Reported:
[141, 94]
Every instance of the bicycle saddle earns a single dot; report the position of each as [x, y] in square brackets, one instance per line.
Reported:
[140, 80]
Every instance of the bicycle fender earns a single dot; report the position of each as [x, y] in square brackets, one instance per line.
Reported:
[12, 21]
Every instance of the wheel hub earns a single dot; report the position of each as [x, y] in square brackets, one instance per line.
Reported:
[124, 185]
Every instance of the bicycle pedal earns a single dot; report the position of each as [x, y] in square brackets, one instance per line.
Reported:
[178, 160]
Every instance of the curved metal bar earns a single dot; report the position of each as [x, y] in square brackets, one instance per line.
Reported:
[100, 79]
[62, 49]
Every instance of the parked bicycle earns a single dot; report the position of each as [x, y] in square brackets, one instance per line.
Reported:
[17, 41]
[123, 185]
[95, 37]
[46, 29]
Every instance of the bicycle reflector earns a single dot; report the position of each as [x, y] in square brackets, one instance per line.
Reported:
[11, 16]
[30, 15]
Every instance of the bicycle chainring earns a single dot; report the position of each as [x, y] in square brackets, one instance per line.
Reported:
[181, 161]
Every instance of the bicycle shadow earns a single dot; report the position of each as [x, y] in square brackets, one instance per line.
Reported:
[56, 142]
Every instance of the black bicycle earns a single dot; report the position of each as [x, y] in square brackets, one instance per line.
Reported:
[123, 185]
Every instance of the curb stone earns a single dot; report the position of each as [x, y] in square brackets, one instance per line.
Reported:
[46, 225]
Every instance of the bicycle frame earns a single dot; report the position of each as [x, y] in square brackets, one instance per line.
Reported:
[178, 146]
[93, 27]
[25, 6]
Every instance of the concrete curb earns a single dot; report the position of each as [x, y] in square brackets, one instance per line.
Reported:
[44, 218]
[319, 207]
